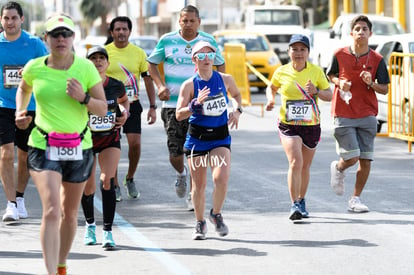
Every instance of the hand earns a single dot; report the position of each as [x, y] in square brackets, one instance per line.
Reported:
[270, 105]
[345, 85]
[203, 95]
[22, 120]
[74, 89]
[151, 116]
[120, 121]
[163, 93]
[366, 77]
[310, 88]
[234, 119]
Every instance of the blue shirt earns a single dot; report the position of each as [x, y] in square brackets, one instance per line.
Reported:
[14, 55]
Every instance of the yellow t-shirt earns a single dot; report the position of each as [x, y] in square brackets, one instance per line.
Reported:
[126, 65]
[297, 107]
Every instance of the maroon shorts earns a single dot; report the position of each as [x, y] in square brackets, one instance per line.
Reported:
[310, 135]
[101, 142]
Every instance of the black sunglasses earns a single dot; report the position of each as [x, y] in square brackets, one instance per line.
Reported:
[65, 33]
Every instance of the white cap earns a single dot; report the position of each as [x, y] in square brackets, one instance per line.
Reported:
[201, 44]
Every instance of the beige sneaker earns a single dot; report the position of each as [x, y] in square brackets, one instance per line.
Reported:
[21, 208]
[355, 205]
[11, 214]
[337, 179]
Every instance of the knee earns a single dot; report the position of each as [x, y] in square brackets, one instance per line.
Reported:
[90, 188]
[52, 214]
[107, 185]
[7, 155]
[296, 164]
[365, 163]
[134, 144]
[69, 216]
[199, 187]
[352, 161]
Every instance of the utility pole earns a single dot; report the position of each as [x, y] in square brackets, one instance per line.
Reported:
[141, 18]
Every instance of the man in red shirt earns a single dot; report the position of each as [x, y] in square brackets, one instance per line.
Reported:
[357, 72]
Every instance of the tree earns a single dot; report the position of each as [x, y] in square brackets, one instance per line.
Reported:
[320, 8]
[93, 9]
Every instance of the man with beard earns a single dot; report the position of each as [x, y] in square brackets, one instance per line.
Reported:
[17, 47]
[126, 64]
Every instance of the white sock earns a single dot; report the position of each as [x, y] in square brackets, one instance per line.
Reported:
[184, 173]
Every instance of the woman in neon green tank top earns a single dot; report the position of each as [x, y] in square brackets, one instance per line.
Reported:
[60, 146]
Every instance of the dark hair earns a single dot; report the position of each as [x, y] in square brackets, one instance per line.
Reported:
[190, 8]
[362, 18]
[120, 19]
[12, 6]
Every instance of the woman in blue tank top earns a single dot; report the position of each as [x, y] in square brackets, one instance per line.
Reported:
[203, 100]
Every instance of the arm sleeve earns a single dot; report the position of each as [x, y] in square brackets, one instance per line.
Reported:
[333, 68]
[382, 73]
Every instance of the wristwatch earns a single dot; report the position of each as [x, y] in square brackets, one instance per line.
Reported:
[153, 106]
[240, 110]
[86, 99]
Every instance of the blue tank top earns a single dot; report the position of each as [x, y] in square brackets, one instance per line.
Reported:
[214, 103]
[214, 112]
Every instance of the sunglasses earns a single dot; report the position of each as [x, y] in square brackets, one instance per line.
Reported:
[202, 56]
[65, 33]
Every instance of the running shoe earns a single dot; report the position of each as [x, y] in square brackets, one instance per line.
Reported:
[217, 219]
[355, 205]
[11, 214]
[181, 184]
[295, 213]
[302, 207]
[337, 179]
[90, 235]
[132, 191]
[21, 208]
[200, 230]
[190, 205]
[118, 195]
[108, 241]
[61, 270]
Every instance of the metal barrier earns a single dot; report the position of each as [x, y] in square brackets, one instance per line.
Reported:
[401, 97]
[235, 58]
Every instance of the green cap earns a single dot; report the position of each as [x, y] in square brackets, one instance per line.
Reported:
[59, 21]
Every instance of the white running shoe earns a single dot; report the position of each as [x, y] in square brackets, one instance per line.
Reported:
[118, 195]
[337, 179]
[181, 184]
[11, 214]
[200, 230]
[355, 205]
[21, 208]
[190, 205]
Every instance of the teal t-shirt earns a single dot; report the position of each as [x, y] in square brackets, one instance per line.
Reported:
[55, 110]
[175, 52]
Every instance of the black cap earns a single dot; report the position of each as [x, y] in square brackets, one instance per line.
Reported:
[96, 49]
[299, 38]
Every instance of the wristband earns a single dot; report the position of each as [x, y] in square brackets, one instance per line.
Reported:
[195, 107]
[86, 99]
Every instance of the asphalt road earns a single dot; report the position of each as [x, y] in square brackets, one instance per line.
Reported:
[153, 234]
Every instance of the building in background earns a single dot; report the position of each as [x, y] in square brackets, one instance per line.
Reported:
[156, 17]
